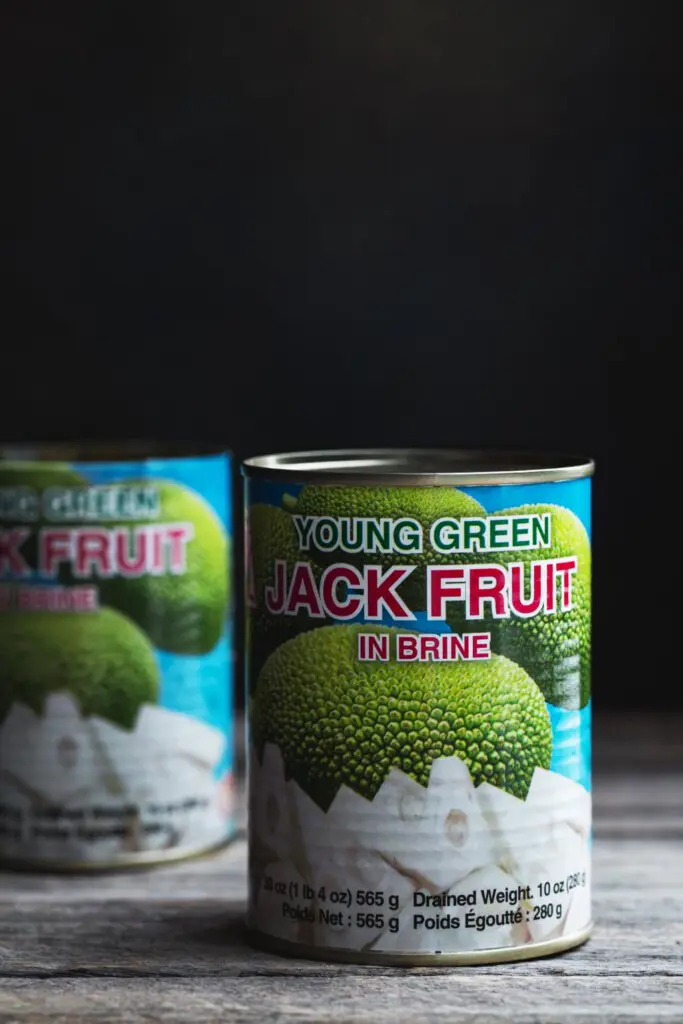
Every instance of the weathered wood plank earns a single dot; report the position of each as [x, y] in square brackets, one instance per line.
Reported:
[219, 876]
[385, 996]
[176, 925]
[169, 944]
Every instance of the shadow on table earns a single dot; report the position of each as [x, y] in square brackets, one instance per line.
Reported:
[212, 931]
[198, 937]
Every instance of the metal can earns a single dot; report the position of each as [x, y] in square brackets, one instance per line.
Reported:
[116, 663]
[419, 638]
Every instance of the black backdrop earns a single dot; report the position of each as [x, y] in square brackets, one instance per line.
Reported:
[398, 222]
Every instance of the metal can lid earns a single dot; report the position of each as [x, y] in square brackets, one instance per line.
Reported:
[421, 467]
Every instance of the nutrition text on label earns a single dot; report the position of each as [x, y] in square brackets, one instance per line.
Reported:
[485, 907]
[91, 823]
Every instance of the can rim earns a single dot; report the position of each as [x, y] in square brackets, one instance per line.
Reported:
[465, 958]
[422, 467]
[106, 451]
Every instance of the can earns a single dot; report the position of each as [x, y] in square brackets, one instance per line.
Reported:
[419, 641]
[116, 654]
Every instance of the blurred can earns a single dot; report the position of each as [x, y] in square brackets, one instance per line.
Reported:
[116, 654]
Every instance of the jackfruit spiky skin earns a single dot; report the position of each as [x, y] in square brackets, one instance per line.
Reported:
[554, 649]
[339, 720]
[101, 658]
[272, 536]
[424, 504]
[183, 614]
[39, 476]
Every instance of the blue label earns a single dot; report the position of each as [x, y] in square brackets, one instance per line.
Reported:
[145, 548]
[197, 684]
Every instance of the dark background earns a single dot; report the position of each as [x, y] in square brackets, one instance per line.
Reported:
[399, 222]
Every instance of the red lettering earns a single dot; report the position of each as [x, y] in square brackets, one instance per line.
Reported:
[92, 553]
[351, 604]
[131, 564]
[518, 601]
[303, 592]
[486, 583]
[373, 647]
[459, 646]
[157, 565]
[431, 645]
[380, 592]
[12, 562]
[565, 568]
[57, 599]
[550, 596]
[406, 647]
[481, 646]
[179, 535]
[276, 592]
[444, 583]
[378, 647]
[55, 548]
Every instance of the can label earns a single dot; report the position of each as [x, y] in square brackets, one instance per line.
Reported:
[419, 690]
[115, 659]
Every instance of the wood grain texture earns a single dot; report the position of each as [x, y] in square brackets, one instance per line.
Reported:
[429, 997]
[169, 944]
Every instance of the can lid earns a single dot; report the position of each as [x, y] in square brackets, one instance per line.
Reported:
[421, 467]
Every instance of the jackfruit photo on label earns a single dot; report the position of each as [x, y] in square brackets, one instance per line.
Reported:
[555, 649]
[102, 659]
[272, 536]
[182, 613]
[339, 720]
[28, 482]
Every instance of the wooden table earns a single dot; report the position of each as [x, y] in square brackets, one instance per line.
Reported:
[168, 945]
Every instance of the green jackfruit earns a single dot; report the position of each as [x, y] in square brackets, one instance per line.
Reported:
[101, 658]
[272, 536]
[554, 649]
[424, 504]
[38, 476]
[339, 720]
[184, 614]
